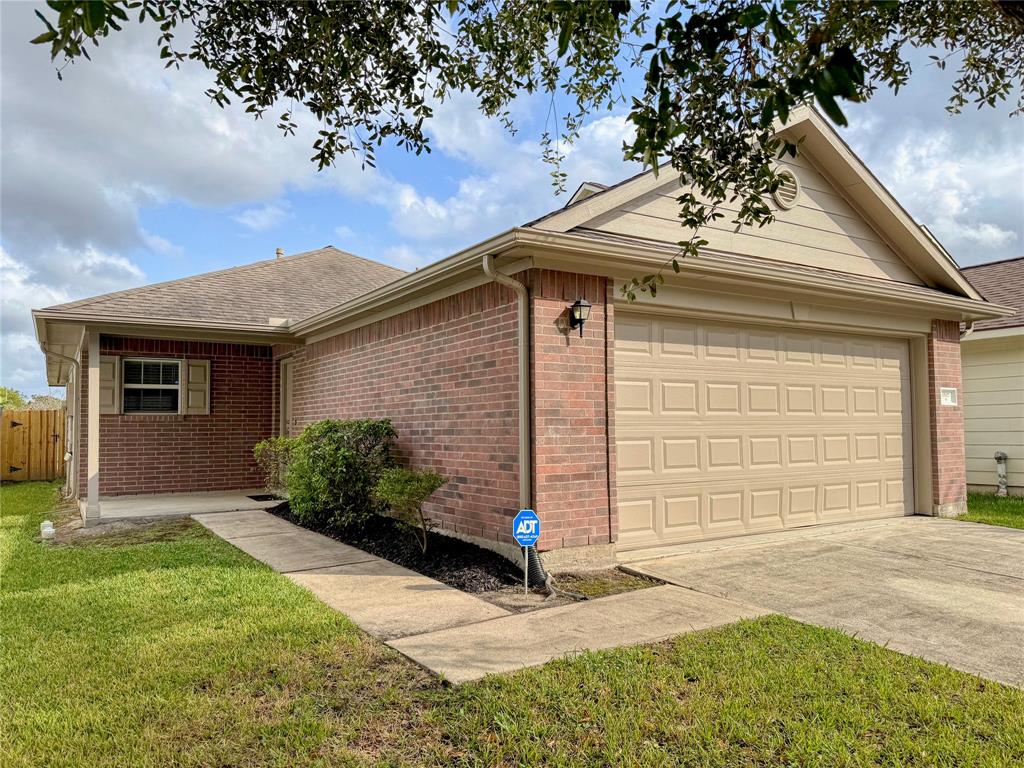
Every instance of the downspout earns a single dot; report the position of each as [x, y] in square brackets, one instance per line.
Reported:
[538, 576]
[967, 331]
[68, 490]
[523, 339]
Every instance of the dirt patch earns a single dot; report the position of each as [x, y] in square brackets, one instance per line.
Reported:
[612, 581]
[119, 533]
[514, 600]
[453, 562]
[590, 585]
[72, 531]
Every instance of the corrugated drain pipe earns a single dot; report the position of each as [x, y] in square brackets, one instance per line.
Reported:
[68, 490]
[537, 575]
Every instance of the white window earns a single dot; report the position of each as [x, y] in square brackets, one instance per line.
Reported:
[151, 386]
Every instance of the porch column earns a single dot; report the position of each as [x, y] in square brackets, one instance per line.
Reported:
[946, 420]
[92, 505]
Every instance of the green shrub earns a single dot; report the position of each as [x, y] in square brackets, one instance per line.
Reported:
[334, 468]
[273, 457]
[404, 491]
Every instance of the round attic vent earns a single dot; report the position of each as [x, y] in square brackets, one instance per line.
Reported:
[788, 191]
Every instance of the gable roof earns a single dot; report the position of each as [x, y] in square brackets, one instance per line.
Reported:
[291, 287]
[585, 190]
[838, 163]
[1001, 282]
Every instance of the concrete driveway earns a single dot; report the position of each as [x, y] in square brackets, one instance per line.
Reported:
[946, 591]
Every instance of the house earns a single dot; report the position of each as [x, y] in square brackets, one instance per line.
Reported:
[992, 356]
[799, 374]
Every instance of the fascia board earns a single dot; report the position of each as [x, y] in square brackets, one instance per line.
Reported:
[616, 259]
[993, 333]
[90, 319]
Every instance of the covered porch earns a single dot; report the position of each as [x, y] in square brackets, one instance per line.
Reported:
[163, 423]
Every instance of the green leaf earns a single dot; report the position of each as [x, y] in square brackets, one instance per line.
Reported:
[46, 37]
[768, 111]
[752, 16]
[782, 106]
[830, 107]
[94, 17]
[565, 35]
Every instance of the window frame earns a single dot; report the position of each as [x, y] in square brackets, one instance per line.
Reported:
[126, 386]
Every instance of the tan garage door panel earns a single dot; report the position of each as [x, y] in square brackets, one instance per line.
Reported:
[726, 429]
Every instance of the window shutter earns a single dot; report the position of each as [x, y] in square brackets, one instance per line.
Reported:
[110, 384]
[197, 387]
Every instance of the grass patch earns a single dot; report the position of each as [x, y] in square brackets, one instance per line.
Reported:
[179, 650]
[995, 510]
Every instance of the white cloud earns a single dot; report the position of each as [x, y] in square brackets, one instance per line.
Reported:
[82, 157]
[951, 190]
[22, 289]
[511, 184]
[264, 217]
[23, 367]
[17, 286]
[988, 235]
[960, 175]
[161, 245]
[103, 272]
[20, 359]
[121, 132]
[460, 130]
[409, 258]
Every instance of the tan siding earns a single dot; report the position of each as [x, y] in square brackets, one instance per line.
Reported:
[993, 372]
[822, 231]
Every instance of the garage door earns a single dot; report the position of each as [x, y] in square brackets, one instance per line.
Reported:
[727, 429]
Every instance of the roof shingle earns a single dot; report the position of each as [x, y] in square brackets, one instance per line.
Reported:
[292, 287]
[1001, 282]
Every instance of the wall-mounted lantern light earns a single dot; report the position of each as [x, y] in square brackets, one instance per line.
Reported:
[579, 312]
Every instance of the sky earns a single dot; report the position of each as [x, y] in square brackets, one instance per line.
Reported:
[124, 174]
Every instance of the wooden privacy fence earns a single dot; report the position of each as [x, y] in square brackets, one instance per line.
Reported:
[32, 445]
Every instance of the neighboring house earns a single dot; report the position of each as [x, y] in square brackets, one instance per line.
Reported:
[789, 376]
[993, 371]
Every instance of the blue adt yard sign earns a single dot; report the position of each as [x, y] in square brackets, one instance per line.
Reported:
[526, 528]
[526, 531]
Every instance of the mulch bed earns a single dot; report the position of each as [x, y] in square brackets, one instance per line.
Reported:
[455, 563]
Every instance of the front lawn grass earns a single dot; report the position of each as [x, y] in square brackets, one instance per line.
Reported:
[176, 649]
[995, 510]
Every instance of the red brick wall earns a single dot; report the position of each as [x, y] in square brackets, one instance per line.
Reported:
[165, 454]
[446, 375]
[573, 407]
[949, 476]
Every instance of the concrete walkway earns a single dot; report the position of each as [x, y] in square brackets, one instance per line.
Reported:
[384, 599]
[530, 639]
[177, 504]
[453, 633]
